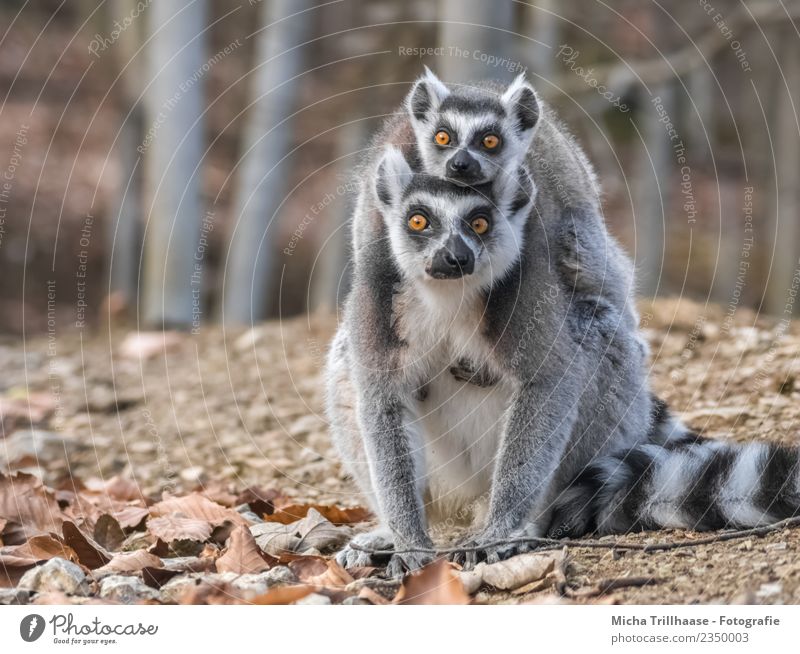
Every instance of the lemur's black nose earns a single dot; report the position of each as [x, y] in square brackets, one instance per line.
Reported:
[454, 259]
[463, 164]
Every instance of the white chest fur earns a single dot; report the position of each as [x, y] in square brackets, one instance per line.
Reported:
[457, 426]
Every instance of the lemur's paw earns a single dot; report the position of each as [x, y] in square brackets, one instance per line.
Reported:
[400, 564]
[360, 551]
[487, 549]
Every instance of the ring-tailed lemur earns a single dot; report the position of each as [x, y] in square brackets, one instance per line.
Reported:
[567, 436]
[470, 134]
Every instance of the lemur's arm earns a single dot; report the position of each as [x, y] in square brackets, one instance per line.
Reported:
[390, 451]
[540, 423]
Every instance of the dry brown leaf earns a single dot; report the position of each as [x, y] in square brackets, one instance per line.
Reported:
[512, 573]
[130, 516]
[312, 532]
[212, 593]
[261, 501]
[131, 562]
[283, 595]
[17, 559]
[372, 597]
[197, 506]
[316, 571]
[219, 492]
[108, 533]
[175, 527]
[436, 583]
[90, 554]
[41, 548]
[117, 488]
[338, 516]
[243, 556]
[23, 499]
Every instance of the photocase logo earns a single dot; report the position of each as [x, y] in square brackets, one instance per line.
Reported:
[31, 627]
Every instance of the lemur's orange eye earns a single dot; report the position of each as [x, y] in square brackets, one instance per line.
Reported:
[417, 222]
[491, 141]
[479, 225]
[442, 137]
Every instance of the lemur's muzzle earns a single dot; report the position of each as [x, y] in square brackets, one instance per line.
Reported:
[455, 259]
[463, 168]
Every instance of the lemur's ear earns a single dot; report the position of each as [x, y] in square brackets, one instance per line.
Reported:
[514, 192]
[521, 103]
[426, 95]
[394, 174]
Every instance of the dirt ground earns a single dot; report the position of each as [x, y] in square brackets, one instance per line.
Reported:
[244, 407]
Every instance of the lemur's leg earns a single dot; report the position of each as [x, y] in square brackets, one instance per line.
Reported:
[539, 428]
[395, 457]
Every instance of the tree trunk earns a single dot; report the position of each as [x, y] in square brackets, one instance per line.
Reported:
[125, 233]
[173, 149]
[471, 29]
[263, 169]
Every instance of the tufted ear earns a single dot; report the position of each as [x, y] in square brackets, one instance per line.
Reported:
[522, 104]
[426, 95]
[394, 175]
[514, 193]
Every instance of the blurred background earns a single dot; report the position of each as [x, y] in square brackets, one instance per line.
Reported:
[187, 162]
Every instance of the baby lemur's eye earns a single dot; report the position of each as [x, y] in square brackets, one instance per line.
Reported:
[479, 224]
[442, 137]
[417, 222]
[491, 141]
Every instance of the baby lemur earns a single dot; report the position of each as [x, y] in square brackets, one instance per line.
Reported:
[565, 436]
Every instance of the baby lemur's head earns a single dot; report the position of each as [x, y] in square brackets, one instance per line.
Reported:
[467, 134]
[441, 231]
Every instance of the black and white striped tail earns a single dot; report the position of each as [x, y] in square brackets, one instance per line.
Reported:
[689, 482]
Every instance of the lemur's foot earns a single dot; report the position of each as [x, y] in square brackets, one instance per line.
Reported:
[491, 548]
[400, 564]
[352, 556]
[466, 371]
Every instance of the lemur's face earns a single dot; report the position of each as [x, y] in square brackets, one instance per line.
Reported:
[467, 134]
[441, 231]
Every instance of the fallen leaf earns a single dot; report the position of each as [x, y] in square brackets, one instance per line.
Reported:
[212, 593]
[312, 532]
[157, 577]
[512, 573]
[118, 488]
[372, 597]
[130, 562]
[176, 527]
[18, 559]
[108, 533]
[338, 516]
[283, 595]
[218, 492]
[436, 583]
[90, 554]
[316, 571]
[243, 556]
[25, 500]
[197, 506]
[130, 516]
[260, 501]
